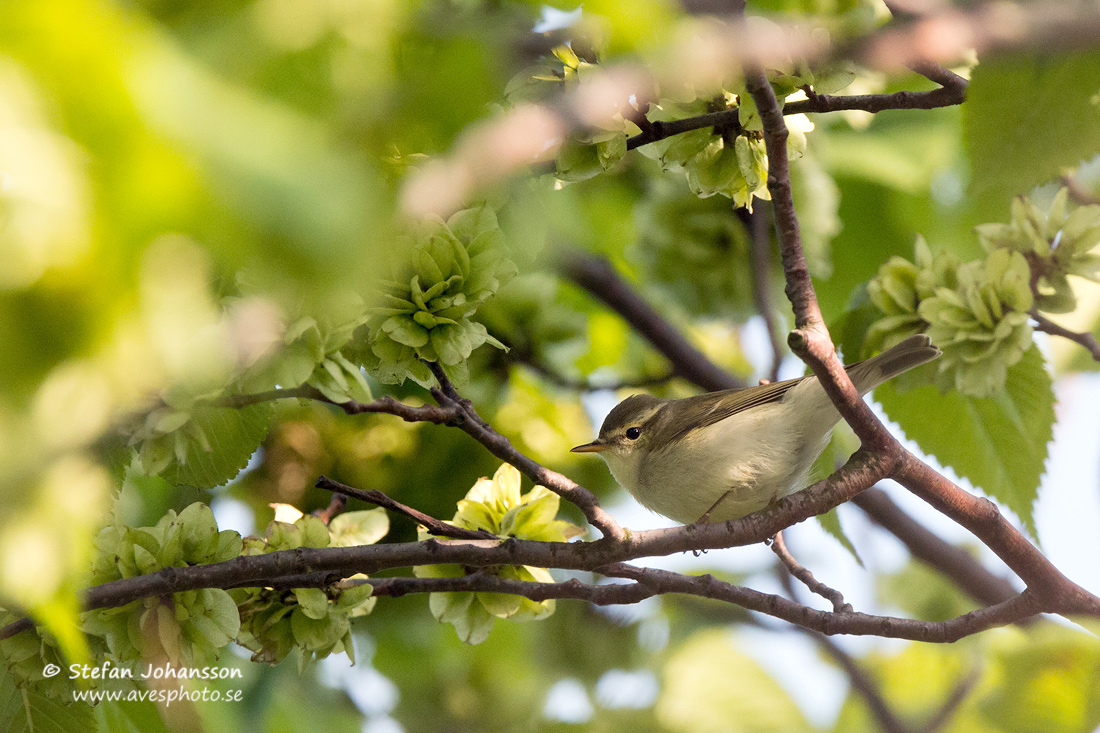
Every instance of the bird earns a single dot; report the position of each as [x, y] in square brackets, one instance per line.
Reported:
[723, 455]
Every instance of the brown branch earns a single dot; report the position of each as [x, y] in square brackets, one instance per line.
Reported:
[471, 423]
[831, 622]
[330, 564]
[599, 279]
[600, 595]
[812, 343]
[984, 520]
[943, 96]
[795, 569]
[945, 35]
[810, 340]
[434, 526]
[1085, 339]
[385, 404]
[336, 505]
[964, 570]
[951, 705]
[16, 627]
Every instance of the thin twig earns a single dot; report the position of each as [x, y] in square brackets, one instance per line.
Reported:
[385, 404]
[434, 526]
[16, 627]
[337, 505]
[816, 103]
[601, 595]
[1085, 339]
[779, 547]
[863, 686]
[469, 421]
[829, 622]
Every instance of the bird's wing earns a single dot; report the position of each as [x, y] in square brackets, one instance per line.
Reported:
[707, 409]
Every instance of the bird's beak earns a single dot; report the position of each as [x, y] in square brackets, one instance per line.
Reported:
[594, 447]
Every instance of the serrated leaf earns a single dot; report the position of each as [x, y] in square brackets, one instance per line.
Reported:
[236, 434]
[999, 443]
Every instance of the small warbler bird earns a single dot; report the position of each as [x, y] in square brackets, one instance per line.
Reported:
[724, 455]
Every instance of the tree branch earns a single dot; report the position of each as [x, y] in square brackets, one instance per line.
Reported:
[385, 404]
[943, 96]
[600, 595]
[984, 520]
[434, 526]
[1085, 339]
[471, 423]
[598, 277]
[795, 569]
[829, 622]
[323, 566]
[812, 343]
[862, 685]
[967, 572]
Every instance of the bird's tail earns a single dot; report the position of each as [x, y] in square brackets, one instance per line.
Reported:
[910, 353]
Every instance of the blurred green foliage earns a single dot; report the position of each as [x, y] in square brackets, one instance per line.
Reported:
[198, 202]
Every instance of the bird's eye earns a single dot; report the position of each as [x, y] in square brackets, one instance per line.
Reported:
[633, 433]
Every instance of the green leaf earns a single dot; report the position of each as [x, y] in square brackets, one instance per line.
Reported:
[577, 161]
[1043, 109]
[198, 533]
[26, 711]
[315, 634]
[501, 605]
[314, 531]
[358, 528]
[238, 434]
[830, 522]
[999, 443]
[313, 602]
